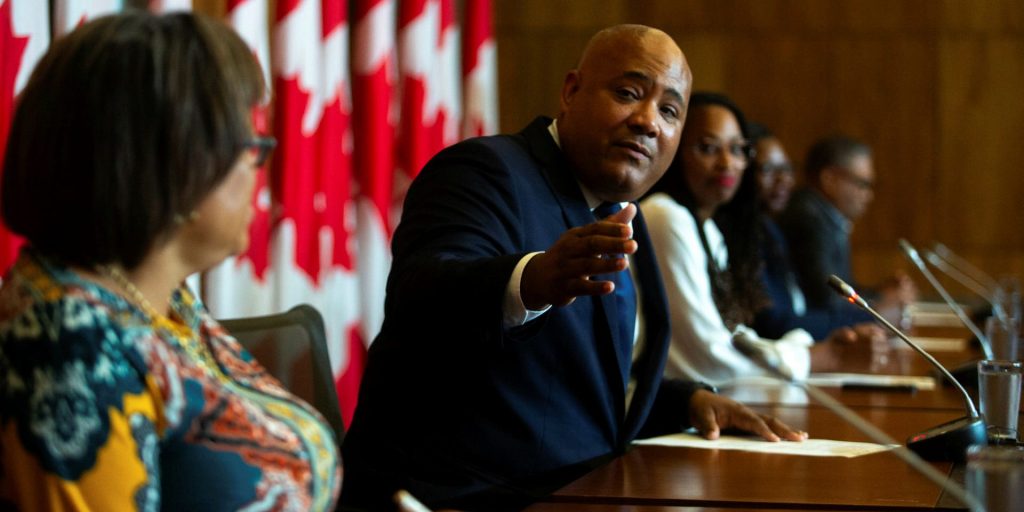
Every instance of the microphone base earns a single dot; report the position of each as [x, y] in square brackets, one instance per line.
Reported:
[949, 441]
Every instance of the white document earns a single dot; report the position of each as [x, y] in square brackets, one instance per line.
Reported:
[809, 447]
[934, 314]
[933, 344]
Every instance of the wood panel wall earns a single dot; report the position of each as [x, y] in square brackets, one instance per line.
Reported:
[935, 86]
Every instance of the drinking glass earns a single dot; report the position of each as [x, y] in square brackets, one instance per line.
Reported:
[999, 390]
[995, 477]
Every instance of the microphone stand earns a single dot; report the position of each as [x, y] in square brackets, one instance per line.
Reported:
[875, 434]
[915, 258]
[976, 274]
[948, 441]
[967, 281]
[958, 276]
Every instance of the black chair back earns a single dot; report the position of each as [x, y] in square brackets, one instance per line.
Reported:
[292, 346]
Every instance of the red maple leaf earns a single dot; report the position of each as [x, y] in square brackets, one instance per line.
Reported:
[310, 182]
[12, 49]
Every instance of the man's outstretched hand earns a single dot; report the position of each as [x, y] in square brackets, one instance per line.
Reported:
[562, 273]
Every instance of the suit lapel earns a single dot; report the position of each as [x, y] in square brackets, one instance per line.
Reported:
[575, 212]
[651, 362]
[564, 186]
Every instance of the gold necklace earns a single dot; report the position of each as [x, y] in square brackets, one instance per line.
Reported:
[159, 320]
[182, 333]
[114, 272]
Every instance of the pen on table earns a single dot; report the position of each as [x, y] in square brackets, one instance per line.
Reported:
[860, 386]
[407, 503]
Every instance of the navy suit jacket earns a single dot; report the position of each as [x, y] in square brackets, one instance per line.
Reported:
[779, 316]
[820, 246]
[454, 406]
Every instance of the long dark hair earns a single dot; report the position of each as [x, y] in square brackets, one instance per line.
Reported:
[737, 289]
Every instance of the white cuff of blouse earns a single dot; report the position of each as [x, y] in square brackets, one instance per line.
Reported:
[790, 354]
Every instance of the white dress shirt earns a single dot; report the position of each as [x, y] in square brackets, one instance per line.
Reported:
[702, 347]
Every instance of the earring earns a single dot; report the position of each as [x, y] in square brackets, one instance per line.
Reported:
[180, 219]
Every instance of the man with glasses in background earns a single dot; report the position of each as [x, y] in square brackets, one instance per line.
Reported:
[839, 186]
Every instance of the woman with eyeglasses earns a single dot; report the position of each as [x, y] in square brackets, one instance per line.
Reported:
[703, 219]
[130, 165]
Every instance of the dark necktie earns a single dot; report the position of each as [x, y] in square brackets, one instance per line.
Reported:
[625, 301]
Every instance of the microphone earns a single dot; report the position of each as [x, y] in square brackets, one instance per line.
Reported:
[984, 280]
[948, 441]
[957, 275]
[967, 281]
[915, 258]
[876, 435]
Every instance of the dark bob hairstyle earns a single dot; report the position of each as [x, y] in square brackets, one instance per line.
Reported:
[124, 127]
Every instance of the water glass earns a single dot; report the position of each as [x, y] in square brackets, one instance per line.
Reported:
[999, 390]
[995, 477]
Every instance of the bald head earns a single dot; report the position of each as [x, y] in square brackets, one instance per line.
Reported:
[622, 41]
[622, 110]
[612, 38]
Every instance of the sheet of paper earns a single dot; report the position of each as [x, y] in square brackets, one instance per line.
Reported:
[809, 448]
[934, 314]
[935, 320]
[865, 379]
[932, 344]
[764, 390]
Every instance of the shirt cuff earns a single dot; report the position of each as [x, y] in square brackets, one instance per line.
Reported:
[515, 312]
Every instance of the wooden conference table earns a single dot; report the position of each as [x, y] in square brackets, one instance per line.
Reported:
[661, 478]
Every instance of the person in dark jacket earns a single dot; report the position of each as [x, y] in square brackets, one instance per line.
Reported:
[512, 356]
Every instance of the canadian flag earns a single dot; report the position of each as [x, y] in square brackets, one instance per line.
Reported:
[450, 81]
[480, 66]
[429, 74]
[68, 14]
[249, 19]
[24, 37]
[312, 253]
[375, 117]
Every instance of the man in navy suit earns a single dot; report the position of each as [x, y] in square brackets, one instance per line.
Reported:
[512, 356]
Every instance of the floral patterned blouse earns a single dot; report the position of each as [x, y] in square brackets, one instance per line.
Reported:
[104, 408]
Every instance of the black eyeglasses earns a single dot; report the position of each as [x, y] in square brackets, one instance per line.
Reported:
[261, 147]
[773, 169]
[857, 181]
[709, 147]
